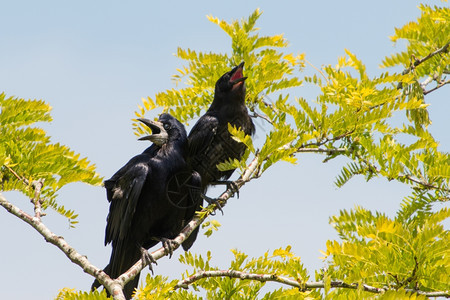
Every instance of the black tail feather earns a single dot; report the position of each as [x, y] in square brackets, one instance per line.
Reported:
[119, 263]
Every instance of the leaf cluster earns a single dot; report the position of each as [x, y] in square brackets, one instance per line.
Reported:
[28, 156]
[268, 70]
[427, 54]
[72, 294]
[384, 252]
[160, 288]
[429, 33]
[281, 262]
[379, 123]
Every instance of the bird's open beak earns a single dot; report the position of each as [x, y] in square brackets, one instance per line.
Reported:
[159, 135]
[237, 75]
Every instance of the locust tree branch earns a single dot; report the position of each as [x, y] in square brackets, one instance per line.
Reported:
[303, 286]
[322, 150]
[309, 148]
[417, 62]
[36, 200]
[439, 85]
[81, 260]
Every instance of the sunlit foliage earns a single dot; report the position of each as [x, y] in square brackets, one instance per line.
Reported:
[27, 155]
[378, 124]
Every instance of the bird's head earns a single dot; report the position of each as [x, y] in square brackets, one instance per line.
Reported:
[232, 81]
[166, 129]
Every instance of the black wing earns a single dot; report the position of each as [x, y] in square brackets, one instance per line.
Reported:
[202, 134]
[123, 191]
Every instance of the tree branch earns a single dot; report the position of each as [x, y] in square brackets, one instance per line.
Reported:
[21, 178]
[270, 105]
[36, 200]
[423, 183]
[291, 282]
[426, 82]
[419, 61]
[411, 178]
[113, 286]
[318, 70]
[37, 186]
[326, 140]
[264, 117]
[441, 84]
[322, 150]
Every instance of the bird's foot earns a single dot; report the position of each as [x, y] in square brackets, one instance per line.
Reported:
[214, 201]
[147, 258]
[231, 185]
[168, 244]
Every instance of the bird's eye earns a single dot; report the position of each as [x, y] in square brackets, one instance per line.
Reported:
[166, 126]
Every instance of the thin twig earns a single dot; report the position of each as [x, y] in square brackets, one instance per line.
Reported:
[322, 150]
[419, 61]
[317, 69]
[257, 115]
[270, 105]
[423, 183]
[21, 178]
[441, 84]
[373, 168]
[326, 140]
[426, 82]
[291, 282]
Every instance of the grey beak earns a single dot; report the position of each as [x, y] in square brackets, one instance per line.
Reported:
[159, 135]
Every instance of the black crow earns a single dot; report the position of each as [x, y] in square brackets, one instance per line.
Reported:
[151, 198]
[210, 142]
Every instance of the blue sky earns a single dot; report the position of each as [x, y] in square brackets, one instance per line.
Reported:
[94, 61]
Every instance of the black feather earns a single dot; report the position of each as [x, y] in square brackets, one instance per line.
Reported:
[210, 142]
[151, 198]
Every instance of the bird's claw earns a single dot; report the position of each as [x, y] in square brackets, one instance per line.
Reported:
[147, 258]
[169, 245]
[214, 201]
[231, 185]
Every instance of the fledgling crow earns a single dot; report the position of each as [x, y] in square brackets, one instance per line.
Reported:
[151, 198]
[210, 142]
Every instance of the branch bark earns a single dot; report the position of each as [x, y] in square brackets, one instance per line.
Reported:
[441, 84]
[113, 286]
[405, 176]
[322, 150]
[419, 61]
[37, 202]
[303, 286]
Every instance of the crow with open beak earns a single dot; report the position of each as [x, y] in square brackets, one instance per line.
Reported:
[151, 199]
[159, 134]
[210, 142]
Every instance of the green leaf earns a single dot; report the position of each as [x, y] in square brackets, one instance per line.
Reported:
[27, 155]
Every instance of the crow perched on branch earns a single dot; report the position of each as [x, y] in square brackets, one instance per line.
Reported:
[151, 199]
[210, 142]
